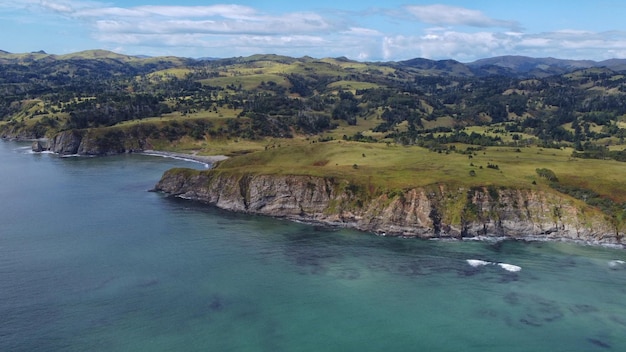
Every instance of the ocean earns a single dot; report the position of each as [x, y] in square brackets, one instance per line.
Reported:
[90, 260]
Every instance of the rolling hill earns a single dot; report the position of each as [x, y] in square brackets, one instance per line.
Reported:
[386, 126]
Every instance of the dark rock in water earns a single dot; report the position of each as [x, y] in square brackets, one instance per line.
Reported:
[512, 298]
[599, 343]
[621, 321]
[348, 274]
[216, 304]
[497, 246]
[411, 269]
[466, 272]
[583, 308]
[531, 321]
[506, 278]
[38, 147]
[537, 311]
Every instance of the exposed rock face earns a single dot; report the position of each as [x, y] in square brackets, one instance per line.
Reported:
[66, 142]
[420, 212]
[38, 146]
[84, 142]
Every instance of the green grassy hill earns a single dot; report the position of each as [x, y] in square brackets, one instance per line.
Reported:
[392, 125]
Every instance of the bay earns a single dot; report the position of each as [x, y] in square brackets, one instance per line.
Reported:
[92, 261]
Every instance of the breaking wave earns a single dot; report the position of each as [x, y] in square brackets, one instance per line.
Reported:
[508, 267]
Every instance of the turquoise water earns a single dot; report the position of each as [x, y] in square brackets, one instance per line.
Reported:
[92, 261]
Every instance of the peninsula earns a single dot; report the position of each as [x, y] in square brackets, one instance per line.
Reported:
[420, 148]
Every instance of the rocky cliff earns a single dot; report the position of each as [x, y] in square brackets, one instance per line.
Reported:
[92, 142]
[426, 212]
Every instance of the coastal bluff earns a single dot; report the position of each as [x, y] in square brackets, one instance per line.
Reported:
[91, 142]
[436, 211]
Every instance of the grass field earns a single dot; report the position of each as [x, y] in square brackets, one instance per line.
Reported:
[399, 167]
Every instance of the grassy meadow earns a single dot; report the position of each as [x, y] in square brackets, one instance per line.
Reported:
[391, 166]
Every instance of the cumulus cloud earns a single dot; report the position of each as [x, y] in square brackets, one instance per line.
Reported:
[234, 28]
[226, 11]
[431, 31]
[213, 19]
[463, 46]
[442, 45]
[444, 15]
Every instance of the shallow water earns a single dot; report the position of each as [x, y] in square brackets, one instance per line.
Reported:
[92, 261]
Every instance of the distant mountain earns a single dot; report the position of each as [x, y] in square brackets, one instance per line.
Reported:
[96, 54]
[440, 67]
[92, 57]
[614, 64]
[537, 67]
[510, 66]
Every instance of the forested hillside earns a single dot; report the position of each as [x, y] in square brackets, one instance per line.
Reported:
[429, 103]
[509, 122]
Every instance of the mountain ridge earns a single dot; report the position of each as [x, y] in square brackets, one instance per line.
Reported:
[506, 65]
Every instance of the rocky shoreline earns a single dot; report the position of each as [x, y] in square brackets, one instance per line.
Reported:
[45, 145]
[433, 212]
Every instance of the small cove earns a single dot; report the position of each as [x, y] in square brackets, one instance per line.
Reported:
[90, 260]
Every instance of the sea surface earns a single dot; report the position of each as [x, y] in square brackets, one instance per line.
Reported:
[90, 260]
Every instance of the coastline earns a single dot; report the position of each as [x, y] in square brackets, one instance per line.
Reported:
[421, 213]
[207, 160]
[490, 237]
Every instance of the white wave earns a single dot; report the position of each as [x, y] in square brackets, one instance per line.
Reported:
[176, 157]
[30, 151]
[613, 264]
[510, 267]
[476, 263]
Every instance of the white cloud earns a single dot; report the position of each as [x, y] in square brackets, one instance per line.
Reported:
[226, 11]
[57, 7]
[446, 44]
[362, 32]
[430, 31]
[216, 19]
[231, 27]
[463, 46]
[445, 15]
[65, 7]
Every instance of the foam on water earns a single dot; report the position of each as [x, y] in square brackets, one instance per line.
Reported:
[76, 156]
[476, 263]
[508, 267]
[175, 157]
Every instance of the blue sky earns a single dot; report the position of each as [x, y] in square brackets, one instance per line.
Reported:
[363, 30]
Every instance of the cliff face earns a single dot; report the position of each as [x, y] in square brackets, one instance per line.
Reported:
[428, 212]
[85, 142]
[67, 142]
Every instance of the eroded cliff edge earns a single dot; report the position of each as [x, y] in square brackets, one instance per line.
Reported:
[90, 142]
[426, 212]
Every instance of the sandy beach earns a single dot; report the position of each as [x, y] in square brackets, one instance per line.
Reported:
[205, 159]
